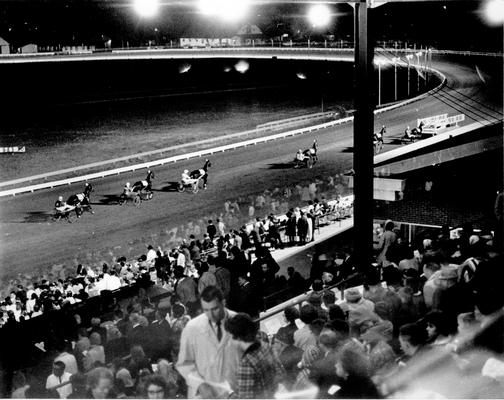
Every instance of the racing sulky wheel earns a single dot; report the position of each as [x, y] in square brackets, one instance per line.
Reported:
[137, 200]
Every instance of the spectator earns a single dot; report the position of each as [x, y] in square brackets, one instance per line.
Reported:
[67, 358]
[157, 387]
[322, 372]
[248, 299]
[19, 386]
[162, 336]
[381, 355]
[116, 345]
[291, 314]
[336, 313]
[206, 278]
[81, 347]
[360, 311]
[302, 229]
[354, 370]
[96, 353]
[123, 379]
[185, 287]
[431, 271]
[387, 239]
[304, 336]
[78, 382]
[296, 282]
[138, 362]
[221, 228]
[100, 382]
[211, 230]
[260, 371]
[207, 353]
[291, 228]
[412, 338]
[439, 329]
[58, 377]
[222, 276]
[288, 354]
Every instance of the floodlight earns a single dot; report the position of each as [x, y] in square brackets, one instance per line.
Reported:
[380, 62]
[242, 66]
[409, 56]
[229, 10]
[184, 68]
[146, 8]
[494, 12]
[319, 15]
[301, 75]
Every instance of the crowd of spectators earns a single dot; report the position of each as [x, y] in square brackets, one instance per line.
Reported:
[434, 297]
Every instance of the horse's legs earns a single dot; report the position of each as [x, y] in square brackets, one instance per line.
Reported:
[205, 181]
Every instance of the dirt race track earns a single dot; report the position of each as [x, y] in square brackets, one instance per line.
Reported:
[32, 244]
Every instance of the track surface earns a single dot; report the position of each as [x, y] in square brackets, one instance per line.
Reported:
[30, 240]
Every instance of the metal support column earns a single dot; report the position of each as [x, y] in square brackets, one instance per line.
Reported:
[363, 139]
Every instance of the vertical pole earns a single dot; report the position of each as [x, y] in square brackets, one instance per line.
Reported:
[408, 78]
[379, 84]
[363, 140]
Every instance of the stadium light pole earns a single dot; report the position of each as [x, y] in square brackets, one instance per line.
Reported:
[379, 63]
[409, 57]
[395, 60]
[418, 55]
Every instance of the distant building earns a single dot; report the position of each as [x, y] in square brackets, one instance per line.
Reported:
[29, 48]
[250, 34]
[4, 47]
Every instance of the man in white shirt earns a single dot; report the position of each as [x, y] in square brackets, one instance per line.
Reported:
[208, 358]
[57, 377]
[67, 358]
[151, 254]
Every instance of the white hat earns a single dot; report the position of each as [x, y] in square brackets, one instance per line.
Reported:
[186, 171]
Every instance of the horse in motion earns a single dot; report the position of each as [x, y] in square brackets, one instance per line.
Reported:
[81, 202]
[145, 185]
[202, 174]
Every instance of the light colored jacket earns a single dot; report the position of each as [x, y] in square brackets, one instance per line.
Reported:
[203, 359]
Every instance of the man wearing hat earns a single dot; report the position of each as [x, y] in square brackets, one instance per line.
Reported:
[451, 297]
[360, 310]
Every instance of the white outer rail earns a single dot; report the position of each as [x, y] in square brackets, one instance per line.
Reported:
[198, 154]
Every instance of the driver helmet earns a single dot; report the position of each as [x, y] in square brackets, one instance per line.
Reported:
[186, 171]
[407, 127]
[60, 198]
[127, 184]
[300, 151]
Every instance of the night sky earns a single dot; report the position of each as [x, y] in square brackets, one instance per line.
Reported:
[454, 25]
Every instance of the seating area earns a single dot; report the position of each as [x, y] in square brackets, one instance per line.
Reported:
[438, 292]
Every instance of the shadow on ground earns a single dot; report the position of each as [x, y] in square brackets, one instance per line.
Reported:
[169, 187]
[38, 216]
[288, 165]
[108, 200]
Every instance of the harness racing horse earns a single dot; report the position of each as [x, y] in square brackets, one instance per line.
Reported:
[202, 173]
[145, 185]
[312, 152]
[81, 203]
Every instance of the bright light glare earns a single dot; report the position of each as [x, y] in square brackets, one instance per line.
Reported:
[379, 62]
[229, 10]
[146, 8]
[494, 12]
[184, 68]
[319, 15]
[300, 75]
[242, 66]
[227, 69]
